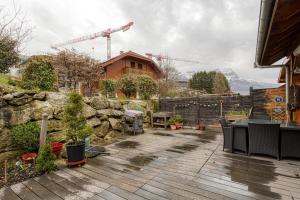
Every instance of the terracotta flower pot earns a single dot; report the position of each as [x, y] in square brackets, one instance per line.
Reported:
[28, 158]
[179, 125]
[200, 127]
[173, 127]
[56, 147]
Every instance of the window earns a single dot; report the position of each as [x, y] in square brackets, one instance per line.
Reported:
[140, 66]
[132, 64]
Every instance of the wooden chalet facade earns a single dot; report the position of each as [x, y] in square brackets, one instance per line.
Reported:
[133, 63]
[279, 39]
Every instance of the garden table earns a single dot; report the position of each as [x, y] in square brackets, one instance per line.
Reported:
[289, 137]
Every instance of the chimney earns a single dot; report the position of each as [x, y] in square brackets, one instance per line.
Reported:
[121, 52]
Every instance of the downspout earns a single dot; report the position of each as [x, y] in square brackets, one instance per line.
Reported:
[287, 93]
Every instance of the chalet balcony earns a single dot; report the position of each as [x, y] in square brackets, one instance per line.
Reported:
[135, 71]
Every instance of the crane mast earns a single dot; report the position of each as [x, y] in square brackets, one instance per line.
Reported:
[105, 33]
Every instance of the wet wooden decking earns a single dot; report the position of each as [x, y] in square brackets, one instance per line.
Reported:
[167, 165]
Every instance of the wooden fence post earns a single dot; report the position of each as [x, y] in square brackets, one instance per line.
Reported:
[221, 108]
[43, 132]
[5, 171]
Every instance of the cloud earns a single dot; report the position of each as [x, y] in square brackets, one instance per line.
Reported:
[219, 33]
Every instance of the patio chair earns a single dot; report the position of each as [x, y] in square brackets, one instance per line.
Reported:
[264, 139]
[290, 143]
[227, 134]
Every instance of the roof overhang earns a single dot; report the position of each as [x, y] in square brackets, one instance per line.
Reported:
[278, 31]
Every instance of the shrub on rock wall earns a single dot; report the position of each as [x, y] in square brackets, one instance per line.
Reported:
[147, 87]
[39, 74]
[128, 85]
[45, 160]
[74, 120]
[26, 136]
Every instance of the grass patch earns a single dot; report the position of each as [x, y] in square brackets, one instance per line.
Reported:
[4, 78]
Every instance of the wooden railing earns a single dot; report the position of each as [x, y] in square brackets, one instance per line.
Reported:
[129, 70]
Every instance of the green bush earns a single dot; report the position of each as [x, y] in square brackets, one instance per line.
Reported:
[175, 119]
[178, 119]
[26, 136]
[147, 87]
[45, 160]
[172, 121]
[38, 74]
[75, 123]
[108, 87]
[128, 85]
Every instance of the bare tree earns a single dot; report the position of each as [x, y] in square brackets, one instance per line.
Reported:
[171, 75]
[73, 68]
[15, 26]
[14, 31]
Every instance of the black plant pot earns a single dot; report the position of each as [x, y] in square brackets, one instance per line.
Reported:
[75, 153]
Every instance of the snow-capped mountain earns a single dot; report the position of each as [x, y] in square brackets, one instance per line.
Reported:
[242, 86]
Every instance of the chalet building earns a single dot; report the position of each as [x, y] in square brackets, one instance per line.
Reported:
[279, 39]
[133, 63]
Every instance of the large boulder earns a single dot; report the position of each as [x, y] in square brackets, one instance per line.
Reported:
[115, 104]
[8, 97]
[115, 124]
[15, 115]
[6, 143]
[101, 131]
[40, 96]
[39, 108]
[54, 125]
[57, 136]
[88, 111]
[98, 103]
[2, 103]
[20, 100]
[111, 135]
[136, 105]
[57, 98]
[93, 122]
[110, 113]
[58, 112]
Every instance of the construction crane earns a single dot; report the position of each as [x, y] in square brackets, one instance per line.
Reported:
[105, 33]
[160, 57]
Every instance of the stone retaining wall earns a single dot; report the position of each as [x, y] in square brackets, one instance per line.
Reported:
[105, 116]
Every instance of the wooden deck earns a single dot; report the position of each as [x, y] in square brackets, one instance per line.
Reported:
[176, 166]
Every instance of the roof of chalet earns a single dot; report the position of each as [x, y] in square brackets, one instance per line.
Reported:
[133, 55]
[279, 30]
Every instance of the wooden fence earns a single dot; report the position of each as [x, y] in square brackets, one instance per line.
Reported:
[266, 103]
[206, 109]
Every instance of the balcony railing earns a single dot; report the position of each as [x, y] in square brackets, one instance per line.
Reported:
[134, 71]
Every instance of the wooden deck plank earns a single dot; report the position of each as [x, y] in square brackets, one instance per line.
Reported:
[205, 172]
[7, 194]
[110, 196]
[125, 194]
[149, 195]
[40, 190]
[23, 192]
[57, 189]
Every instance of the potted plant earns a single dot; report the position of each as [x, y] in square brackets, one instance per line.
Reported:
[178, 121]
[172, 123]
[76, 129]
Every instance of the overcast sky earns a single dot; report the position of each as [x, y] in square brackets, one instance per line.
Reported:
[219, 33]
